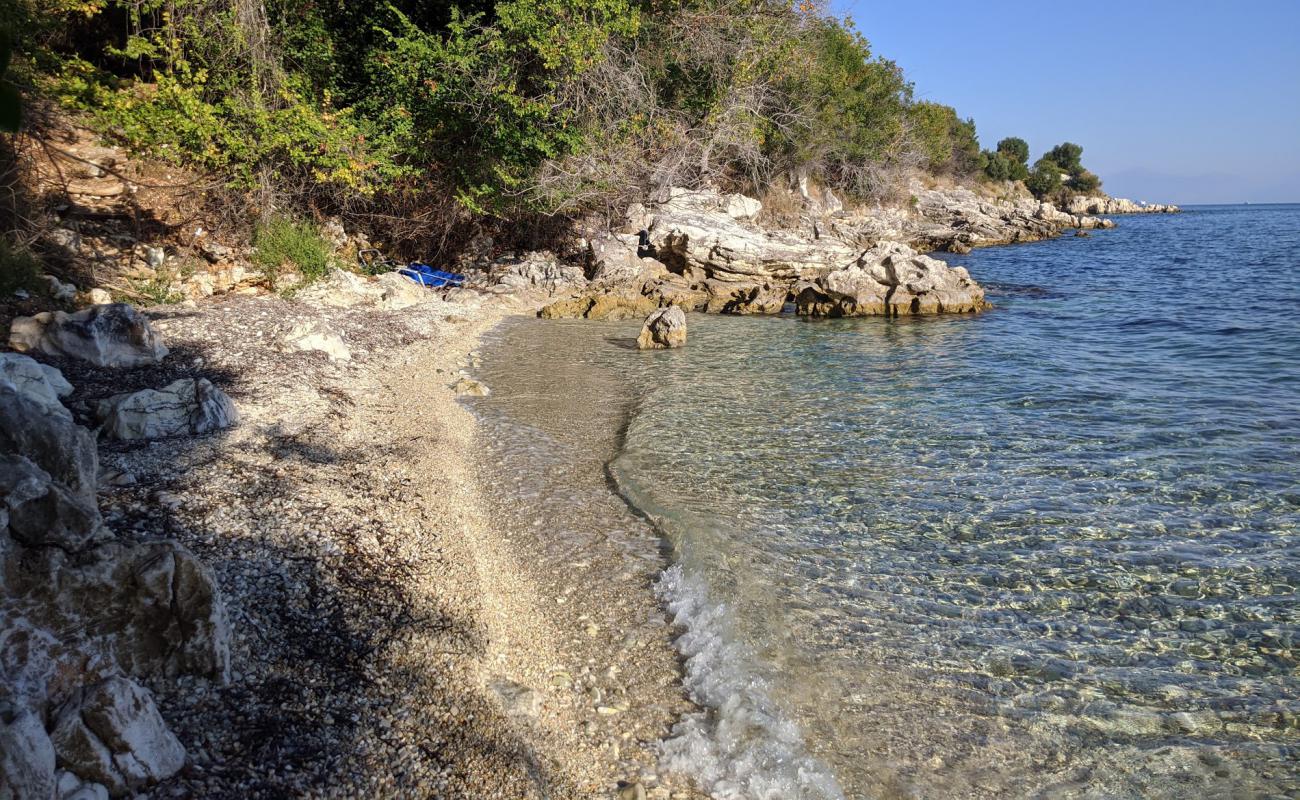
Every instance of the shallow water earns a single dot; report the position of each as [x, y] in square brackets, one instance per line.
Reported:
[1047, 551]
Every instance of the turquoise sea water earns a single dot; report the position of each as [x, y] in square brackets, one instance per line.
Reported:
[1052, 550]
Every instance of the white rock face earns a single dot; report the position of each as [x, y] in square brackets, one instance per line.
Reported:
[388, 291]
[313, 336]
[535, 272]
[34, 380]
[738, 206]
[1116, 205]
[111, 733]
[98, 297]
[664, 329]
[181, 408]
[114, 335]
[891, 279]
[26, 757]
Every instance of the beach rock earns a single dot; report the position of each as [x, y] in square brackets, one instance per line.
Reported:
[891, 279]
[516, 699]
[39, 382]
[613, 259]
[97, 297]
[1115, 205]
[389, 291]
[315, 336]
[64, 239]
[613, 304]
[471, 387]
[183, 407]
[41, 512]
[27, 760]
[113, 335]
[665, 328]
[740, 207]
[111, 733]
[535, 272]
[48, 437]
[60, 291]
[691, 230]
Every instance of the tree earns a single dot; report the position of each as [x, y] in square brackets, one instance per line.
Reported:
[1066, 156]
[1084, 182]
[1045, 180]
[1015, 149]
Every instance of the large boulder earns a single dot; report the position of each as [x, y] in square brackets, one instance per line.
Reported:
[182, 408]
[893, 280]
[692, 229]
[317, 336]
[36, 381]
[113, 335]
[111, 733]
[664, 329]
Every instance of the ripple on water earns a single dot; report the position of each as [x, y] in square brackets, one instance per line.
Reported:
[1048, 550]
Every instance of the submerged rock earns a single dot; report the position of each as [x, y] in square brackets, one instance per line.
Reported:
[184, 407]
[664, 329]
[113, 335]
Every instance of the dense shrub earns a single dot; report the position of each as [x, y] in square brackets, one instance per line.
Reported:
[284, 245]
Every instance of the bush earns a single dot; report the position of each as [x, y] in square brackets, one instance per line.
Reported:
[1066, 156]
[19, 269]
[1084, 182]
[283, 244]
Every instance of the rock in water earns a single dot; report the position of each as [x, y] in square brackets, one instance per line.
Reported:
[181, 408]
[113, 335]
[663, 329]
[111, 733]
[471, 387]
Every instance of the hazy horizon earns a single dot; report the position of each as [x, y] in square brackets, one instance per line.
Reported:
[1177, 103]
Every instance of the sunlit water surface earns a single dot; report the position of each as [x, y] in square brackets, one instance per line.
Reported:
[1046, 551]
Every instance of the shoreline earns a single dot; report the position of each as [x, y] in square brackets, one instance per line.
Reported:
[390, 635]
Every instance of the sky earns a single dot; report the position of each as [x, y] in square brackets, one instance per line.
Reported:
[1185, 102]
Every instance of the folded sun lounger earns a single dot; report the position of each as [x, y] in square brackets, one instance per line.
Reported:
[374, 262]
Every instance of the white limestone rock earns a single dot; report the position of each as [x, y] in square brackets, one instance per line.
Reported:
[113, 335]
[182, 408]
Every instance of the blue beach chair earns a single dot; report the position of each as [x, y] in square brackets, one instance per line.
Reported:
[374, 262]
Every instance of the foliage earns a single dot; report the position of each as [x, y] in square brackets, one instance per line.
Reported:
[948, 143]
[1084, 182]
[1067, 156]
[283, 244]
[1044, 180]
[19, 269]
[159, 290]
[1015, 149]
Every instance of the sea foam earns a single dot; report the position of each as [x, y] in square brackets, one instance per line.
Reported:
[739, 747]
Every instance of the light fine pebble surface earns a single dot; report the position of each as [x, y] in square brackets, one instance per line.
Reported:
[390, 638]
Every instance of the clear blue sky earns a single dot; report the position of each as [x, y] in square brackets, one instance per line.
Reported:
[1195, 101]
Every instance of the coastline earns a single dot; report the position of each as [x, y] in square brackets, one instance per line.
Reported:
[390, 636]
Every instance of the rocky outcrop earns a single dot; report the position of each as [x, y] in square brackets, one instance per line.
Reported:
[182, 408]
[890, 280]
[663, 329]
[1116, 205]
[113, 335]
[959, 220]
[697, 256]
[83, 616]
[389, 291]
[538, 273]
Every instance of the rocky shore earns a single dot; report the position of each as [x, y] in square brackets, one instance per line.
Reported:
[247, 540]
[282, 578]
[710, 252]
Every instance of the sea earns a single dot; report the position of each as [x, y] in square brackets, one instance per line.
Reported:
[1049, 550]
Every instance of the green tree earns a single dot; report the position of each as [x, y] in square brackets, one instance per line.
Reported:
[1015, 149]
[1067, 156]
[1044, 180]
